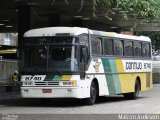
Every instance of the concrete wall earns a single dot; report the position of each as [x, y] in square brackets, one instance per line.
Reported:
[7, 68]
[8, 39]
[156, 72]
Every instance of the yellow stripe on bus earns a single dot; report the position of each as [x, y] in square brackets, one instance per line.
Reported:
[126, 80]
[119, 65]
[66, 77]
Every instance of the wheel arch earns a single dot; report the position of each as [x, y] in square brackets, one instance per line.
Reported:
[97, 85]
[138, 79]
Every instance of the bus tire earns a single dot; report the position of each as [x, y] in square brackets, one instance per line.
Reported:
[134, 95]
[93, 95]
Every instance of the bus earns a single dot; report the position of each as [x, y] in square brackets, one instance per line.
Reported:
[74, 62]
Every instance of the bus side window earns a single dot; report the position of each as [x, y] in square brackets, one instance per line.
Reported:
[128, 48]
[138, 49]
[146, 50]
[96, 45]
[107, 46]
[118, 47]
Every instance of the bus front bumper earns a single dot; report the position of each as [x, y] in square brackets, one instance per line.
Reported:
[51, 92]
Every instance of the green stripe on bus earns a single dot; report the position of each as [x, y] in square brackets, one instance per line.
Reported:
[52, 78]
[115, 76]
[113, 82]
[57, 77]
[49, 77]
[109, 78]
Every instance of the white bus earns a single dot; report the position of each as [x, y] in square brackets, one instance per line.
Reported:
[73, 62]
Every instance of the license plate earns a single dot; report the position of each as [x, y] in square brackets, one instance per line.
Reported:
[47, 90]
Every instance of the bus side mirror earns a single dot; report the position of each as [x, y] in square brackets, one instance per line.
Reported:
[82, 71]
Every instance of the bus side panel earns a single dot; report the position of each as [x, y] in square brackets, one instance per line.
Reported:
[127, 80]
[96, 71]
[121, 81]
[146, 81]
[117, 79]
[114, 85]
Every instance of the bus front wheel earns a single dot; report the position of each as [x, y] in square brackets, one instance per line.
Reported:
[93, 94]
[134, 95]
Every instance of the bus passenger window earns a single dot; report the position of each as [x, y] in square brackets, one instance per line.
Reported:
[146, 50]
[118, 47]
[128, 48]
[108, 46]
[96, 46]
[138, 49]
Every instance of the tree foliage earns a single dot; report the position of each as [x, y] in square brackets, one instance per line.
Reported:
[154, 36]
[148, 9]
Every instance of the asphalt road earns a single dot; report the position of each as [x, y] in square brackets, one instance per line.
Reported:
[148, 103]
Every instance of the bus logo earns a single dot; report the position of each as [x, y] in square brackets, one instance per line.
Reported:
[96, 66]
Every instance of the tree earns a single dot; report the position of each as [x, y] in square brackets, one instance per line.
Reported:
[149, 9]
[154, 36]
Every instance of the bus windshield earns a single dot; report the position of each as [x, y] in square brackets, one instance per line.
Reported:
[50, 58]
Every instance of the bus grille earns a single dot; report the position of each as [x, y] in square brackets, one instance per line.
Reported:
[47, 83]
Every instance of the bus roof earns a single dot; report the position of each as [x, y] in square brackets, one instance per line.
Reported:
[52, 31]
[74, 31]
[121, 36]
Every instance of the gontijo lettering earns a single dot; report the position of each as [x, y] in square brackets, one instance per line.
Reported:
[133, 65]
[138, 65]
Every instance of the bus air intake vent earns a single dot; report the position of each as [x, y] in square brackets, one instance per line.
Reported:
[47, 83]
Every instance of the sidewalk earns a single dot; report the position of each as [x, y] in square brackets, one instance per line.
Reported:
[9, 93]
[156, 85]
